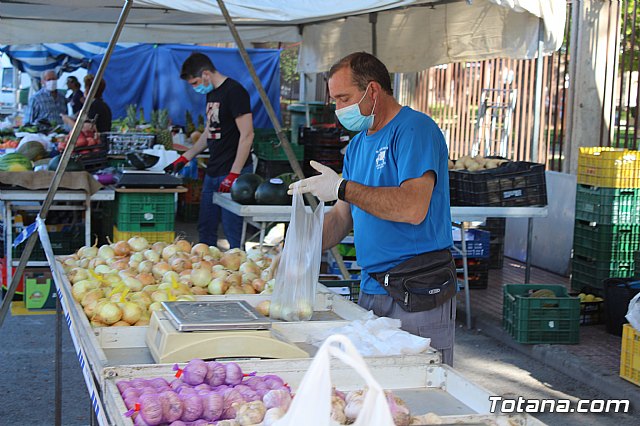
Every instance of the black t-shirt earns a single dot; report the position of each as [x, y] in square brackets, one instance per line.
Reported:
[224, 105]
[102, 110]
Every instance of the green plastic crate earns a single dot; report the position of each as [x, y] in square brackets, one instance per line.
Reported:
[615, 243]
[604, 239]
[145, 212]
[536, 320]
[266, 146]
[592, 273]
[608, 206]
[347, 250]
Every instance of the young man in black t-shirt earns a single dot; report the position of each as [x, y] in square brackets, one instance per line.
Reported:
[228, 135]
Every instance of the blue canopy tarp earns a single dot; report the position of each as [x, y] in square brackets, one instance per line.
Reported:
[149, 76]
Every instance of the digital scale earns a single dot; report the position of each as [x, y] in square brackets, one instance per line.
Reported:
[147, 179]
[213, 330]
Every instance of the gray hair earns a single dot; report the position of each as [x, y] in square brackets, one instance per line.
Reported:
[44, 74]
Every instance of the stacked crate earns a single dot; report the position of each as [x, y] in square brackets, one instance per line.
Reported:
[496, 228]
[324, 145]
[272, 160]
[150, 215]
[607, 225]
[478, 246]
[189, 202]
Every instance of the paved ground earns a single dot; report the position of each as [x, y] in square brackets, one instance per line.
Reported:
[511, 374]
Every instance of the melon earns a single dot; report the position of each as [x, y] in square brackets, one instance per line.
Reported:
[244, 188]
[15, 162]
[273, 192]
[72, 166]
[33, 150]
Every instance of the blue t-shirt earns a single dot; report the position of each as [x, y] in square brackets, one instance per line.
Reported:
[406, 148]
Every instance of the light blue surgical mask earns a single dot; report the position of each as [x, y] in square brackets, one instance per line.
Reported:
[352, 119]
[202, 89]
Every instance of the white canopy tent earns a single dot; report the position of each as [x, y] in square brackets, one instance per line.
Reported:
[410, 35]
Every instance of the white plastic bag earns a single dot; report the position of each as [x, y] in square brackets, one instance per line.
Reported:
[633, 314]
[297, 275]
[313, 398]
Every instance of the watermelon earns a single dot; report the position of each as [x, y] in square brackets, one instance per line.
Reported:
[244, 188]
[33, 150]
[273, 192]
[15, 162]
[72, 166]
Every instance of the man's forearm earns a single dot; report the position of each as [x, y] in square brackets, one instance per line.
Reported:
[243, 152]
[396, 204]
[197, 147]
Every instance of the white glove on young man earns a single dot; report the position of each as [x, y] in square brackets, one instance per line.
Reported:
[325, 186]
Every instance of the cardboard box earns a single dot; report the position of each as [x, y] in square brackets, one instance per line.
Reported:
[39, 289]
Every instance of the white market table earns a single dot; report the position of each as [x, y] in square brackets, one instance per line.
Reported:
[24, 199]
[259, 216]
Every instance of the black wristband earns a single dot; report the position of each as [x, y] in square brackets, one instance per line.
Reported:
[341, 189]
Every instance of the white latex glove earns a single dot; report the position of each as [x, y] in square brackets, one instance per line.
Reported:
[325, 186]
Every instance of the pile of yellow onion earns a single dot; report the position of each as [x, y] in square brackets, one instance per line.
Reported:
[120, 284]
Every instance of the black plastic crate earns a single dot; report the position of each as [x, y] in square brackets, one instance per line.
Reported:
[618, 292]
[272, 168]
[331, 137]
[496, 254]
[477, 272]
[518, 183]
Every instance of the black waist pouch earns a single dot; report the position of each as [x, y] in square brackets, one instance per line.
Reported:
[421, 283]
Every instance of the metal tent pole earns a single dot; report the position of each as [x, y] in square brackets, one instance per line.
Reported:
[295, 165]
[66, 155]
[537, 102]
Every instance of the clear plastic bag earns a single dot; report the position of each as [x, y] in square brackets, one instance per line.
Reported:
[297, 276]
[633, 314]
[313, 397]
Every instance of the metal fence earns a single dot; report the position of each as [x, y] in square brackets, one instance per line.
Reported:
[624, 130]
[451, 95]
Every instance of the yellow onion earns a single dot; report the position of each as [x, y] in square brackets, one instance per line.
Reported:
[234, 279]
[84, 262]
[203, 264]
[104, 270]
[109, 313]
[219, 273]
[80, 288]
[121, 324]
[159, 296]
[88, 251]
[199, 291]
[106, 252]
[215, 252]
[145, 266]
[138, 243]
[151, 255]
[231, 261]
[169, 251]
[201, 277]
[250, 267]
[145, 278]
[77, 274]
[89, 309]
[217, 286]
[141, 298]
[200, 250]
[159, 269]
[183, 245]
[186, 298]
[263, 307]
[170, 277]
[96, 324]
[234, 289]
[247, 289]
[150, 288]
[133, 284]
[248, 277]
[142, 322]
[258, 284]
[158, 247]
[178, 264]
[91, 296]
[121, 248]
[95, 262]
[131, 312]
[155, 306]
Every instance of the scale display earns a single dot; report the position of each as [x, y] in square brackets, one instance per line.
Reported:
[215, 315]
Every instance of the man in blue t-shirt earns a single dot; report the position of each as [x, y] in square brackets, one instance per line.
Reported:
[394, 190]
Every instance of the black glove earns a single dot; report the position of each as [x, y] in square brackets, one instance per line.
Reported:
[177, 165]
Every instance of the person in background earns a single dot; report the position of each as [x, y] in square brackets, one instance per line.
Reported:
[228, 135]
[46, 103]
[76, 98]
[99, 112]
[394, 191]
